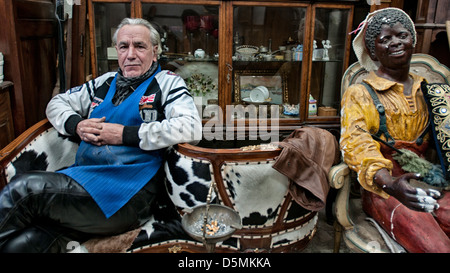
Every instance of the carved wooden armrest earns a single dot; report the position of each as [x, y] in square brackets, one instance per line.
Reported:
[339, 177]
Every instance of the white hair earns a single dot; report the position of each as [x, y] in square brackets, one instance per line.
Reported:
[154, 35]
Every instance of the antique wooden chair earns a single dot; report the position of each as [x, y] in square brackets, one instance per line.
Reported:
[245, 181]
[359, 233]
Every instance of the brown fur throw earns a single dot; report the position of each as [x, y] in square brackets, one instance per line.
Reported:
[112, 244]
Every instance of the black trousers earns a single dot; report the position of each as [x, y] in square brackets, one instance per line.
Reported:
[44, 211]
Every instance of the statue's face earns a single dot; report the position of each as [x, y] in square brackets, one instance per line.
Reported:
[393, 47]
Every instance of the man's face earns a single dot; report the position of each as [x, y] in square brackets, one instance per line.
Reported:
[394, 46]
[135, 50]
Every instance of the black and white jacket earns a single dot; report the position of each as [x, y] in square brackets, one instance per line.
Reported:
[167, 110]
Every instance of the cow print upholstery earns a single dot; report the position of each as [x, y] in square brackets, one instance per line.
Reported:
[257, 192]
[188, 180]
[50, 151]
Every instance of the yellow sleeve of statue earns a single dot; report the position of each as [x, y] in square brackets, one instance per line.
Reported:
[359, 150]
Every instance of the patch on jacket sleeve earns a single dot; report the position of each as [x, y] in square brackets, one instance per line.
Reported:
[75, 89]
[171, 73]
[148, 114]
[147, 99]
[95, 102]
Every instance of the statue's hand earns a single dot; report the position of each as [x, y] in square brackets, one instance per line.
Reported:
[414, 198]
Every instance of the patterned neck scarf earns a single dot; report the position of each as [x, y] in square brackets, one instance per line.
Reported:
[125, 86]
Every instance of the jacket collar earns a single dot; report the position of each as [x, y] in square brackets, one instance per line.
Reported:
[382, 84]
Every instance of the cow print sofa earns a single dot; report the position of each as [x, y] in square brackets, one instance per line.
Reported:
[245, 181]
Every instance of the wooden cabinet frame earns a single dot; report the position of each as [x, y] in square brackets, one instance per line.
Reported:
[225, 47]
[318, 120]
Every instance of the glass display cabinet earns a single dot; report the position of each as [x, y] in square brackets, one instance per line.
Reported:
[329, 58]
[104, 27]
[243, 61]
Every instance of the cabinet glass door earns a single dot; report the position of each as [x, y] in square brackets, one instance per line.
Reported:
[190, 46]
[107, 17]
[330, 42]
[267, 58]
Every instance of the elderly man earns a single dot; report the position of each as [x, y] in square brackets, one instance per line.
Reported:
[417, 218]
[125, 120]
